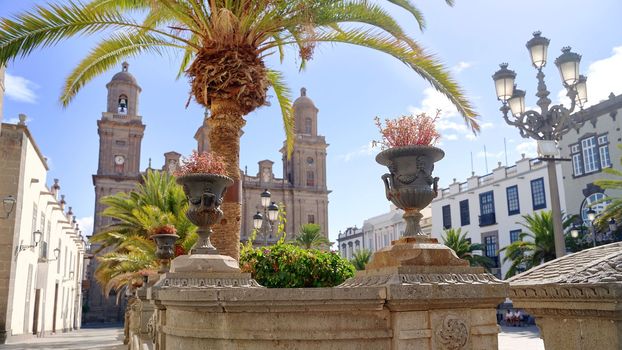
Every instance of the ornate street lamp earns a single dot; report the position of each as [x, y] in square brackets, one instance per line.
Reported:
[264, 222]
[551, 122]
[8, 204]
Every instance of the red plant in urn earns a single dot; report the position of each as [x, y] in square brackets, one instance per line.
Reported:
[165, 236]
[408, 130]
[408, 151]
[202, 163]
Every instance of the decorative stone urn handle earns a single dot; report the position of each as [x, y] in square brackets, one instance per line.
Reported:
[388, 184]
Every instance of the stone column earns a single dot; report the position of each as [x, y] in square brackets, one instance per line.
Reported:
[577, 299]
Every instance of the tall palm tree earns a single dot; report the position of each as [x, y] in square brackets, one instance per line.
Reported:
[459, 243]
[223, 46]
[360, 258]
[536, 245]
[310, 237]
[124, 248]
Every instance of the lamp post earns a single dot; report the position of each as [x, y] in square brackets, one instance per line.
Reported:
[592, 216]
[270, 214]
[551, 122]
[8, 204]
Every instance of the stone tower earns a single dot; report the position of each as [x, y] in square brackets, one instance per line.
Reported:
[120, 135]
[302, 189]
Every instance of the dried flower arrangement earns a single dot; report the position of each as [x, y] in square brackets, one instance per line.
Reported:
[408, 130]
[167, 229]
[202, 163]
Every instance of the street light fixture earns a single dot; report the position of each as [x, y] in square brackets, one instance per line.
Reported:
[56, 253]
[270, 214]
[592, 216]
[551, 122]
[8, 204]
[36, 238]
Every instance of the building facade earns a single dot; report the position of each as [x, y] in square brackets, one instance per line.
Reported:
[591, 147]
[490, 207]
[302, 189]
[379, 231]
[120, 132]
[41, 245]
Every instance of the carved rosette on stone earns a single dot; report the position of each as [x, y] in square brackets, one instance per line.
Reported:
[205, 194]
[452, 333]
[575, 299]
[410, 185]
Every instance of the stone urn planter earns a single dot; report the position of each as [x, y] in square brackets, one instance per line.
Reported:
[166, 249]
[409, 184]
[205, 195]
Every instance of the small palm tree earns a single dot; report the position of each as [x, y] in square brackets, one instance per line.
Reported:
[538, 248]
[459, 243]
[361, 258]
[310, 237]
[613, 210]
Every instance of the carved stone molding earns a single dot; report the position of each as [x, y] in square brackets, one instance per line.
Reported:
[577, 313]
[422, 279]
[206, 282]
[452, 333]
[562, 292]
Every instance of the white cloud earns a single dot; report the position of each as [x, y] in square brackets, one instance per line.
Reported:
[20, 89]
[450, 137]
[470, 137]
[461, 66]
[486, 125]
[363, 151]
[529, 148]
[86, 225]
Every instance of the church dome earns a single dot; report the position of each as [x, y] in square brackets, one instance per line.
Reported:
[124, 76]
[303, 101]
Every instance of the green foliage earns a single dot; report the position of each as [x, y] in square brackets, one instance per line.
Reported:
[310, 237]
[613, 209]
[534, 247]
[360, 259]
[289, 266]
[457, 241]
[125, 247]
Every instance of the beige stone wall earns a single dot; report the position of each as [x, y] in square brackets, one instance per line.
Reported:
[2, 89]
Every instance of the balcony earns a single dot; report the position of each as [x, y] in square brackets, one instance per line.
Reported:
[487, 219]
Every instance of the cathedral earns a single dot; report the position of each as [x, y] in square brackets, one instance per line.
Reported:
[301, 190]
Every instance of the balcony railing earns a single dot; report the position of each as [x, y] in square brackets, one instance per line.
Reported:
[487, 219]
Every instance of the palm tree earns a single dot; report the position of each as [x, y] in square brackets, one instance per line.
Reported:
[360, 258]
[459, 243]
[223, 46]
[125, 246]
[613, 210]
[538, 248]
[310, 237]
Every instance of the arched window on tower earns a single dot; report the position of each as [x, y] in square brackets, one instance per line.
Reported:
[310, 178]
[122, 107]
[308, 126]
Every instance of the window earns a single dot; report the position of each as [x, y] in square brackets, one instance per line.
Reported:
[537, 194]
[589, 154]
[577, 165]
[513, 204]
[122, 108]
[487, 203]
[446, 216]
[308, 126]
[310, 178]
[587, 204]
[465, 218]
[602, 140]
[515, 236]
[574, 149]
[491, 247]
[605, 160]
[34, 219]
[311, 219]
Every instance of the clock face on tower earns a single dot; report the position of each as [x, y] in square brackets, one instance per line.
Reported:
[119, 160]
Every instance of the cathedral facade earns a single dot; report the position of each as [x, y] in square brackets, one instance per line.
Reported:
[301, 191]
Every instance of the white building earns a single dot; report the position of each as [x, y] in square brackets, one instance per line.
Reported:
[42, 249]
[490, 207]
[378, 232]
[592, 148]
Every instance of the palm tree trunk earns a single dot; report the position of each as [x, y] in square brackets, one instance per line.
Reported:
[225, 129]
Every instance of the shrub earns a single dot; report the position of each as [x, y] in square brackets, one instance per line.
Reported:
[202, 163]
[289, 266]
[408, 130]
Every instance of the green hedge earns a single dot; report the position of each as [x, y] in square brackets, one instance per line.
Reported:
[289, 266]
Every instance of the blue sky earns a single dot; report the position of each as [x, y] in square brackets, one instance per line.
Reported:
[349, 85]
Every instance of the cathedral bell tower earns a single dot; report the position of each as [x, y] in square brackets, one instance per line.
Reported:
[120, 132]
